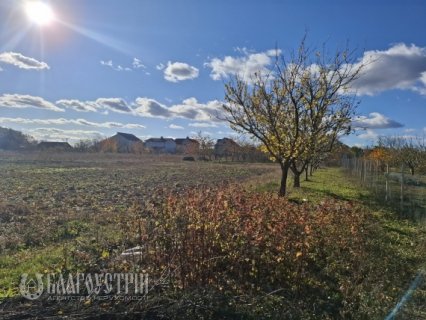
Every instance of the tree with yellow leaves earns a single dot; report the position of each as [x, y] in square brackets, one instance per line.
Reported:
[296, 110]
[382, 155]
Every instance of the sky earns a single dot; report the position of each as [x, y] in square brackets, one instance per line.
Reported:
[87, 69]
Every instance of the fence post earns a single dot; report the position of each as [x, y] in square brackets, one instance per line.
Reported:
[365, 172]
[387, 183]
[402, 188]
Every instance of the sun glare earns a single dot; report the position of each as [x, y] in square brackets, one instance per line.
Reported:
[39, 12]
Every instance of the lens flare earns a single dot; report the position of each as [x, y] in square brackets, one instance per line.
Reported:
[39, 12]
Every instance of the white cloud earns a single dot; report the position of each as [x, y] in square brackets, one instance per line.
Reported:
[179, 71]
[422, 89]
[113, 104]
[22, 62]
[204, 133]
[55, 134]
[132, 126]
[191, 109]
[107, 63]
[399, 67]
[77, 105]
[176, 127]
[137, 64]
[111, 65]
[203, 125]
[203, 113]
[369, 135]
[63, 121]
[151, 108]
[227, 133]
[160, 66]
[375, 121]
[244, 66]
[26, 101]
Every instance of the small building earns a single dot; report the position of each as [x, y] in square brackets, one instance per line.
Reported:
[122, 143]
[54, 146]
[226, 148]
[161, 145]
[187, 146]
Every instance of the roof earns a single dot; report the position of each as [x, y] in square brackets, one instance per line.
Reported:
[159, 139]
[128, 136]
[226, 141]
[182, 141]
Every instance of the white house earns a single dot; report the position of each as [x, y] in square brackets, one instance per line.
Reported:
[121, 142]
[161, 145]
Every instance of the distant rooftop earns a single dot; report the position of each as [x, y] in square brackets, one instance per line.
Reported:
[226, 140]
[129, 136]
[159, 139]
[182, 141]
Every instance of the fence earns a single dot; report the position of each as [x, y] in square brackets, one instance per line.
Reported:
[391, 185]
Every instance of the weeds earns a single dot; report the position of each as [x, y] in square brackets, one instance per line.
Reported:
[212, 250]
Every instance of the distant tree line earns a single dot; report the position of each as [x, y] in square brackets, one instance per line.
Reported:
[397, 151]
[238, 149]
[15, 140]
[241, 150]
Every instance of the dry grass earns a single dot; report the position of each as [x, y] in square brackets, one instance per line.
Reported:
[222, 243]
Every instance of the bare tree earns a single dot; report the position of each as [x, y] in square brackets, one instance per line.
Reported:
[301, 103]
[85, 145]
[249, 150]
[206, 145]
[409, 151]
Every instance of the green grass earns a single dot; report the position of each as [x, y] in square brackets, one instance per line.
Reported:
[330, 182]
[333, 182]
[398, 248]
[49, 259]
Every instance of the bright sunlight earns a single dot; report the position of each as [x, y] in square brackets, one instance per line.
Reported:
[39, 12]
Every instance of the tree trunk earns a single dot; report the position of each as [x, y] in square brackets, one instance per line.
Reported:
[297, 173]
[306, 173]
[311, 173]
[284, 175]
[412, 171]
[296, 181]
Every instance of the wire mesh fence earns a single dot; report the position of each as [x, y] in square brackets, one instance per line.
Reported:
[393, 185]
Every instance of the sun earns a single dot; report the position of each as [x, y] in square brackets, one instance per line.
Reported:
[39, 12]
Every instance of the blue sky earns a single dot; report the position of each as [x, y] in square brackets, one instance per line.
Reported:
[157, 68]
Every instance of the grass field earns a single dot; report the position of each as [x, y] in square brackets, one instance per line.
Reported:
[236, 250]
[50, 201]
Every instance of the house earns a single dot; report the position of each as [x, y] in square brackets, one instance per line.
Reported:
[187, 146]
[122, 143]
[161, 145]
[226, 148]
[54, 146]
[14, 140]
